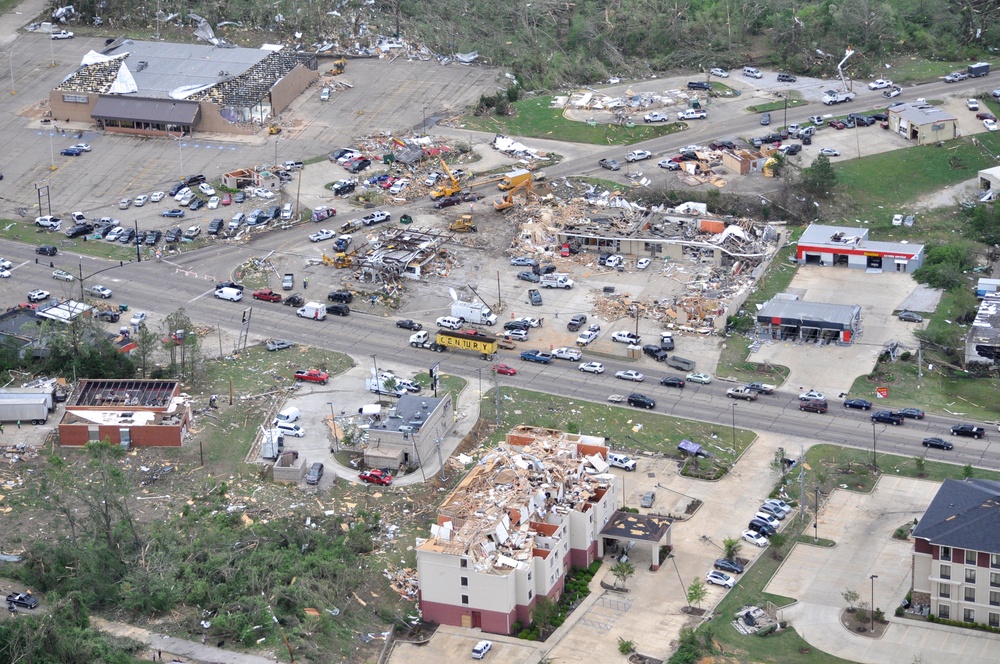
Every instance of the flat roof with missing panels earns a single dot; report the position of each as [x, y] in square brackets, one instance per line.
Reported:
[809, 314]
[640, 527]
[921, 113]
[118, 394]
[818, 235]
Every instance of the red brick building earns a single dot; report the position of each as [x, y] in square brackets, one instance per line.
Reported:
[142, 413]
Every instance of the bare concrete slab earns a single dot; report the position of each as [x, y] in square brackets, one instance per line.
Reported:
[832, 368]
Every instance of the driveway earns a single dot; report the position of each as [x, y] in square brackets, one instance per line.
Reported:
[831, 368]
[862, 526]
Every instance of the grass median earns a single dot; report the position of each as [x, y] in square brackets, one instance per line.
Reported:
[535, 118]
[625, 427]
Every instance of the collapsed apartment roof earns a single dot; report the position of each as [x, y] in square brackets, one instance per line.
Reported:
[496, 513]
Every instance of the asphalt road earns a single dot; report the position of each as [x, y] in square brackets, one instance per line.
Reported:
[187, 281]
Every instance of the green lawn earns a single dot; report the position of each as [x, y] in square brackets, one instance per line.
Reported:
[942, 390]
[881, 183]
[535, 119]
[229, 431]
[778, 105]
[625, 426]
[918, 70]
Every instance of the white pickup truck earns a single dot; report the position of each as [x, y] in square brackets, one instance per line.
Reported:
[656, 117]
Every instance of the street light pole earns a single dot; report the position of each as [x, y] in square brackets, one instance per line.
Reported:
[873, 577]
[12, 90]
[816, 519]
[734, 427]
[874, 442]
[138, 255]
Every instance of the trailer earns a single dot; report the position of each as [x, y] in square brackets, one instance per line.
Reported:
[49, 393]
[483, 344]
[979, 69]
[24, 408]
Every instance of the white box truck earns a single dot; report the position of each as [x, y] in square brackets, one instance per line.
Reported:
[473, 312]
[27, 408]
[313, 310]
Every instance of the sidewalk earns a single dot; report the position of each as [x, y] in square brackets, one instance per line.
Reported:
[171, 647]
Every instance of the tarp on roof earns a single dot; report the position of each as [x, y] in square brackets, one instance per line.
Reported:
[167, 111]
[124, 83]
[93, 57]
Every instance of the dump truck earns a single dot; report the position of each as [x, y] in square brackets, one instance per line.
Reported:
[513, 178]
[24, 408]
[485, 345]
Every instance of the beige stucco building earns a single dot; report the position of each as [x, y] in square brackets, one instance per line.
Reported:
[956, 553]
[923, 123]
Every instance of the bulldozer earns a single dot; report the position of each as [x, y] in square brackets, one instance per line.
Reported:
[463, 224]
[273, 129]
[450, 188]
[508, 200]
[338, 67]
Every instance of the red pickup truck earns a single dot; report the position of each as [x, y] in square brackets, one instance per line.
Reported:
[268, 295]
[312, 376]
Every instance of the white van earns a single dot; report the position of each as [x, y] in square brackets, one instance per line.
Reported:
[288, 415]
[290, 429]
[231, 294]
[619, 460]
[752, 72]
[237, 221]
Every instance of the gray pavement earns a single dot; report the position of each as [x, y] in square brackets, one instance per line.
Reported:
[832, 368]
[862, 525]
[189, 652]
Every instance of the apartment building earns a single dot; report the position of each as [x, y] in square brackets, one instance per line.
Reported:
[526, 514]
[956, 553]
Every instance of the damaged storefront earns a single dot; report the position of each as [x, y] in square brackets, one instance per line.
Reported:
[783, 319]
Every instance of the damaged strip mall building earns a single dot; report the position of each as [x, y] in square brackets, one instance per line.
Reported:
[510, 531]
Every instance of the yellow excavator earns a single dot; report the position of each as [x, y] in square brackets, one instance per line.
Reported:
[449, 188]
[508, 200]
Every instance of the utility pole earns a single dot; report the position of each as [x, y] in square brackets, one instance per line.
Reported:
[802, 483]
[816, 521]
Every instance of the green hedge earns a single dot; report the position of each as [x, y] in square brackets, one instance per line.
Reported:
[983, 627]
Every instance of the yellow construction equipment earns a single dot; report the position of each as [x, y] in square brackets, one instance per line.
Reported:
[449, 188]
[273, 129]
[338, 67]
[463, 224]
[508, 200]
[339, 260]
